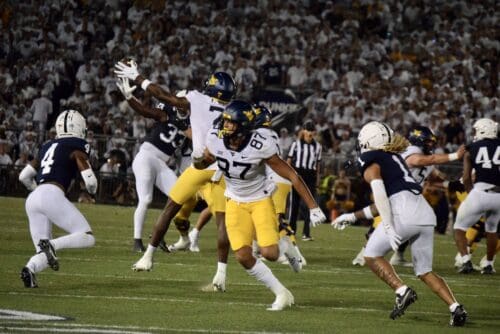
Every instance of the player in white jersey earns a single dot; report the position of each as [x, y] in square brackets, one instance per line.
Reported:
[242, 154]
[203, 109]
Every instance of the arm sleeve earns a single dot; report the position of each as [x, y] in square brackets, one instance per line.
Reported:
[382, 202]
[27, 177]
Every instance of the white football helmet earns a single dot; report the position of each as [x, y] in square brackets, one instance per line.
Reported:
[485, 128]
[70, 123]
[374, 136]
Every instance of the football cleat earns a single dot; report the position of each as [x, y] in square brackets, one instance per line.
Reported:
[458, 317]
[218, 283]
[466, 268]
[402, 303]
[193, 242]
[49, 251]
[397, 259]
[293, 256]
[181, 245]
[283, 299]
[458, 260]
[359, 260]
[145, 263]
[138, 246]
[488, 270]
[307, 238]
[28, 278]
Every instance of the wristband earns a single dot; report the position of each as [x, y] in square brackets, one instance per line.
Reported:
[453, 156]
[446, 183]
[368, 212]
[145, 83]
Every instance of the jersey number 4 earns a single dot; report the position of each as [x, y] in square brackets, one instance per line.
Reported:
[483, 159]
[48, 159]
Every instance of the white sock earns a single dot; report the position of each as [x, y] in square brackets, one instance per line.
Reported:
[149, 251]
[283, 245]
[454, 306]
[489, 263]
[221, 268]
[263, 274]
[37, 263]
[466, 258]
[74, 240]
[194, 232]
[401, 290]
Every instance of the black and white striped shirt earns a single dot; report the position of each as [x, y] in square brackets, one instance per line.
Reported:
[305, 156]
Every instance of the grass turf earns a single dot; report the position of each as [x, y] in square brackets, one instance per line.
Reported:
[96, 289]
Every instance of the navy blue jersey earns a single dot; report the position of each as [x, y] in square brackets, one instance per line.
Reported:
[167, 136]
[56, 164]
[485, 158]
[395, 172]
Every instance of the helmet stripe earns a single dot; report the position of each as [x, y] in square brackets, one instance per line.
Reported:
[66, 122]
[388, 131]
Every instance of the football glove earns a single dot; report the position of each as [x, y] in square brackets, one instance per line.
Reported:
[127, 70]
[394, 238]
[316, 217]
[123, 85]
[343, 220]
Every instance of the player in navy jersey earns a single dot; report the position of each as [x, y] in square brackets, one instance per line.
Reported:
[59, 162]
[483, 156]
[150, 164]
[406, 215]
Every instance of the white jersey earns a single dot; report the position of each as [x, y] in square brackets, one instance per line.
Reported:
[418, 173]
[244, 170]
[204, 111]
[270, 173]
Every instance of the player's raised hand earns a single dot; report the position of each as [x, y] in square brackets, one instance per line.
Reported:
[316, 217]
[123, 85]
[126, 69]
[343, 220]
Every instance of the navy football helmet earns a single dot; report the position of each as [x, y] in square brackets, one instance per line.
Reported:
[241, 114]
[220, 85]
[424, 138]
[263, 117]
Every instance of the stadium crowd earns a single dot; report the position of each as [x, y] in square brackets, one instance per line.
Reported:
[345, 62]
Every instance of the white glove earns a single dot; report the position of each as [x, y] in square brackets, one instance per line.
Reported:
[316, 217]
[394, 238]
[129, 70]
[123, 85]
[343, 220]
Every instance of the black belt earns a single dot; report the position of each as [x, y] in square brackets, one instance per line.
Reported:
[495, 189]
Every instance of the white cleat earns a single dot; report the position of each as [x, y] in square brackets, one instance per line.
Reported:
[283, 300]
[193, 242]
[359, 260]
[291, 253]
[458, 261]
[144, 264]
[219, 282]
[397, 259]
[181, 245]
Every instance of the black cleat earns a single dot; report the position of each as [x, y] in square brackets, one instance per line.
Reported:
[402, 303]
[138, 246]
[466, 268]
[47, 248]
[162, 245]
[28, 278]
[458, 317]
[488, 270]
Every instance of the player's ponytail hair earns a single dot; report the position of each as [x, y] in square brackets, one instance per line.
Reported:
[398, 144]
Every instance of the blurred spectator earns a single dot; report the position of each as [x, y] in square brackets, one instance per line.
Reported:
[41, 108]
[285, 142]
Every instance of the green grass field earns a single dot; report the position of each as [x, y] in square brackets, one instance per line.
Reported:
[99, 293]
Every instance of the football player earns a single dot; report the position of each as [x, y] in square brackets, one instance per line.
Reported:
[241, 155]
[406, 215]
[483, 155]
[263, 119]
[420, 159]
[202, 109]
[150, 164]
[59, 162]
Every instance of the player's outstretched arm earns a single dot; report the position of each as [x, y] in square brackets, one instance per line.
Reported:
[123, 85]
[421, 160]
[129, 70]
[283, 169]
[345, 219]
[204, 161]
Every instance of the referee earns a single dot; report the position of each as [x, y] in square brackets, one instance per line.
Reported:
[305, 157]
